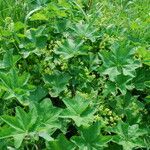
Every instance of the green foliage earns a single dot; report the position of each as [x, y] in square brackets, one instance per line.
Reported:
[60, 144]
[128, 136]
[78, 109]
[119, 61]
[15, 86]
[71, 48]
[74, 75]
[57, 82]
[91, 138]
[37, 122]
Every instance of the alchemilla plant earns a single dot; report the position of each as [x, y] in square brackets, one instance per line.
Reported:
[74, 75]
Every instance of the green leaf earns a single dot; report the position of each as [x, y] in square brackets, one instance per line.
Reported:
[91, 138]
[127, 135]
[71, 48]
[42, 120]
[142, 76]
[34, 41]
[120, 60]
[18, 26]
[39, 16]
[121, 82]
[144, 54]
[12, 122]
[48, 117]
[60, 144]
[57, 82]
[6, 132]
[18, 140]
[84, 31]
[16, 85]
[78, 109]
[38, 94]
[9, 60]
